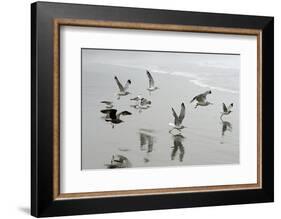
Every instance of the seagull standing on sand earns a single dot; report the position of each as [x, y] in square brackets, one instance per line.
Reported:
[114, 117]
[151, 87]
[178, 119]
[123, 90]
[108, 104]
[142, 103]
[202, 99]
[226, 110]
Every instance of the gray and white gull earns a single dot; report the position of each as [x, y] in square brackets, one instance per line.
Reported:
[178, 119]
[123, 90]
[202, 99]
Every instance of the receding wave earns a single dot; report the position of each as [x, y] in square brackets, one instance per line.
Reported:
[201, 84]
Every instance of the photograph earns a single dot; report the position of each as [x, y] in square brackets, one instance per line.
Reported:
[151, 109]
[136, 108]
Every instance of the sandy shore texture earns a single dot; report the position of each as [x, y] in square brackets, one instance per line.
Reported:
[144, 136]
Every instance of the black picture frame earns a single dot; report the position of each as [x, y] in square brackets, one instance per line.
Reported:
[43, 203]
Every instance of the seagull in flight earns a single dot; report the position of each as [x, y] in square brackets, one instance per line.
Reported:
[202, 99]
[114, 117]
[123, 90]
[151, 87]
[108, 104]
[226, 110]
[178, 119]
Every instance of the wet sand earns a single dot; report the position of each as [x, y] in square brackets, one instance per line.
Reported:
[202, 142]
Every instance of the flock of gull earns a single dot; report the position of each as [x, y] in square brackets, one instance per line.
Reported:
[114, 117]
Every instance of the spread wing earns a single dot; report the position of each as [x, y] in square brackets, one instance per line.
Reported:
[151, 81]
[182, 113]
[199, 98]
[121, 88]
[230, 107]
[127, 85]
[111, 113]
[106, 102]
[123, 113]
[176, 117]
[224, 107]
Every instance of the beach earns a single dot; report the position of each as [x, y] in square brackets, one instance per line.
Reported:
[206, 140]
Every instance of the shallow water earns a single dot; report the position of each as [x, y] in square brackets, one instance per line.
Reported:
[144, 138]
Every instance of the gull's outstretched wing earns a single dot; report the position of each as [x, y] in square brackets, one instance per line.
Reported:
[127, 85]
[224, 107]
[109, 111]
[230, 106]
[123, 113]
[121, 88]
[151, 81]
[176, 117]
[106, 102]
[199, 98]
[194, 98]
[182, 113]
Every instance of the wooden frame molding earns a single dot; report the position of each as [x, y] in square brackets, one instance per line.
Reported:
[146, 26]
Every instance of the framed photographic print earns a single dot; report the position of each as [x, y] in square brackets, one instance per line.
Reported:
[142, 109]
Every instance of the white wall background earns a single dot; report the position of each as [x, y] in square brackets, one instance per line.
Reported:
[15, 107]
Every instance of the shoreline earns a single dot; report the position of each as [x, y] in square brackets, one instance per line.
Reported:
[202, 141]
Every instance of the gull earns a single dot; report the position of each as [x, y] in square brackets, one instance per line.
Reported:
[202, 99]
[142, 103]
[226, 110]
[114, 117]
[108, 104]
[178, 146]
[151, 87]
[123, 90]
[119, 161]
[178, 119]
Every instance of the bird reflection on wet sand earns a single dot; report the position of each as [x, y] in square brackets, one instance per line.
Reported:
[146, 142]
[178, 146]
[226, 126]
